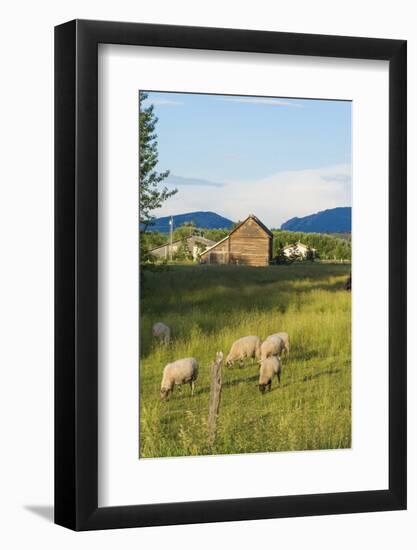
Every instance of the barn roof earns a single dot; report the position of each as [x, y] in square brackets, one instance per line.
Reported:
[257, 220]
[195, 237]
[214, 245]
[163, 245]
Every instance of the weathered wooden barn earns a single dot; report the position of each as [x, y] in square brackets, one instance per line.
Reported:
[249, 243]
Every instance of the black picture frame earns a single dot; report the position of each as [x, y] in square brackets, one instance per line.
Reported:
[76, 272]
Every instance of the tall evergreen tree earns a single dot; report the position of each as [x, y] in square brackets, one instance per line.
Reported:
[151, 196]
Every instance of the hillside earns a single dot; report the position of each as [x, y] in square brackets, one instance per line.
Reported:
[334, 220]
[206, 220]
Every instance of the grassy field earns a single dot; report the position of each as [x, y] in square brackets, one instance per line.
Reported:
[208, 307]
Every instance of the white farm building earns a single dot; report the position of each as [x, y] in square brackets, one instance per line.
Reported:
[298, 250]
[194, 244]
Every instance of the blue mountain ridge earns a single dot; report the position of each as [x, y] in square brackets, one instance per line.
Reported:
[333, 220]
[206, 220]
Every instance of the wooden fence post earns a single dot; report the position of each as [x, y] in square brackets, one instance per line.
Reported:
[215, 392]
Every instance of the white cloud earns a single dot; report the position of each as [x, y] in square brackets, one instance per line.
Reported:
[273, 199]
[166, 102]
[178, 181]
[262, 101]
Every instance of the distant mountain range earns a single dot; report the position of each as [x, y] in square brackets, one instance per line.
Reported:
[207, 220]
[334, 220]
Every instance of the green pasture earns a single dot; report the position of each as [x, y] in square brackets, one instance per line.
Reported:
[207, 308]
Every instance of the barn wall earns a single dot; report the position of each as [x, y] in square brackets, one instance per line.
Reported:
[162, 252]
[250, 245]
[191, 242]
[218, 255]
[247, 245]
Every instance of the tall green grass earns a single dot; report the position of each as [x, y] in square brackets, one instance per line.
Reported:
[208, 308]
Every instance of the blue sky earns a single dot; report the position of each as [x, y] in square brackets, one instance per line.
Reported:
[235, 155]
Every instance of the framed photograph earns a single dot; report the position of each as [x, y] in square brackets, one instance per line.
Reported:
[230, 253]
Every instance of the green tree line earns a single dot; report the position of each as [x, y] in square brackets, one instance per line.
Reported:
[328, 247]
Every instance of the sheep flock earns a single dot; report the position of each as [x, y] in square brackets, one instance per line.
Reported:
[267, 355]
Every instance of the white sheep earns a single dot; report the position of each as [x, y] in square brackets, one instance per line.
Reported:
[182, 371]
[273, 345]
[269, 367]
[162, 332]
[246, 347]
[286, 342]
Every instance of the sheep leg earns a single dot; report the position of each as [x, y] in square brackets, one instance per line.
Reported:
[279, 377]
[192, 387]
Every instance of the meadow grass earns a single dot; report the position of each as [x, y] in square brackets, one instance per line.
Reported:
[208, 308]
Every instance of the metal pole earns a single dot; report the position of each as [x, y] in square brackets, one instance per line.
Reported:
[171, 223]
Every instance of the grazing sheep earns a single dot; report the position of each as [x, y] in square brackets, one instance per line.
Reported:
[183, 371]
[286, 342]
[162, 332]
[248, 346]
[273, 345]
[269, 367]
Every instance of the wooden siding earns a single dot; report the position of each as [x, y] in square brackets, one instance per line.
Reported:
[218, 254]
[248, 244]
